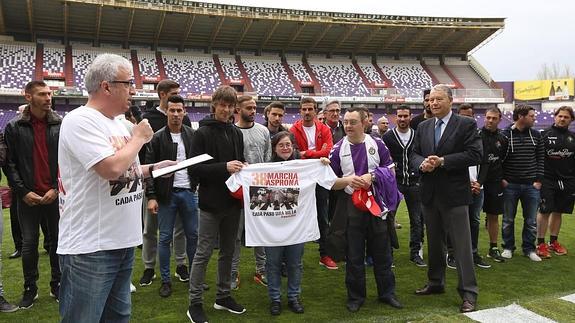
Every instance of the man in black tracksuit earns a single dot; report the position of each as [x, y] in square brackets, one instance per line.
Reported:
[219, 211]
[399, 142]
[558, 189]
[490, 176]
[522, 175]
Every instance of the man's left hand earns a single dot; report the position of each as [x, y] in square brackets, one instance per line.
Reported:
[49, 197]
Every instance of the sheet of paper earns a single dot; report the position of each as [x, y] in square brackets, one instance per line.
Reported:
[181, 165]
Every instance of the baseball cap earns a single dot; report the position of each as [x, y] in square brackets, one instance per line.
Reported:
[364, 200]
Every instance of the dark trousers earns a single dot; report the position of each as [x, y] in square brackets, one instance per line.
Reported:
[441, 220]
[322, 197]
[30, 218]
[15, 226]
[365, 229]
[413, 202]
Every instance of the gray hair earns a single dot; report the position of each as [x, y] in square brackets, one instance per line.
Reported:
[445, 89]
[330, 102]
[104, 68]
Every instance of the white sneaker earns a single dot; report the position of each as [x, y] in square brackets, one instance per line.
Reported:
[533, 256]
[507, 254]
[132, 288]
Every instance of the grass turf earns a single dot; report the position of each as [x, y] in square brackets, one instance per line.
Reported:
[536, 286]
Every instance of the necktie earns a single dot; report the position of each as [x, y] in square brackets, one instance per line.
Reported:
[438, 131]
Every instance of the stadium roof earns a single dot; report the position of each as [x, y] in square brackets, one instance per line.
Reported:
[186, 24]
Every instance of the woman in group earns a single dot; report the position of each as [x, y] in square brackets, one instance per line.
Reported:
[283, 150]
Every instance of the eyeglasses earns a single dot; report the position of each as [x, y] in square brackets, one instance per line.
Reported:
[129, 83]
[334, 111]
[282, 146]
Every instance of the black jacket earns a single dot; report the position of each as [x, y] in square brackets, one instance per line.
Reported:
[161, 147]
[19, 136]
[405, 173]
[157, 121]
[494, 150]
[224, 142]
[461, 147]
[560, 157]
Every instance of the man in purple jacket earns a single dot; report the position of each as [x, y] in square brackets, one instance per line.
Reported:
[358, 156]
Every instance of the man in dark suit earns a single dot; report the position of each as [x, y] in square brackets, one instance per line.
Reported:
[444, 147]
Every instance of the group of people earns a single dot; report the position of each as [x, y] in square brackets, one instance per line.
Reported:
[88, 181]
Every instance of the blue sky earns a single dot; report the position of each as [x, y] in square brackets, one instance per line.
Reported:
[536, 32]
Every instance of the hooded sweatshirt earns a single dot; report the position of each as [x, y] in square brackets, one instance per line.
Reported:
[525, 156]
[224, 142]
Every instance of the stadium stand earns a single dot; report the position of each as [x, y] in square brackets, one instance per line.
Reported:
[54, 60]
[409, 78]
[298, 69]
[148, 65]
[230, 67]
[268, 76]
[467, 76]
[17, 65]
[439, 73]
[196, 74]
[370, 72]
[81, 59]
[338, 77]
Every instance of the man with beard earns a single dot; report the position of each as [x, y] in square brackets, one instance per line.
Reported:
[314, 140]
[426, 111]
[399, 141]
[557, 191]
[257, 149]
[274, 114]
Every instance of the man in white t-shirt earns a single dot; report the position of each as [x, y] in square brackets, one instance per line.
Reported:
[101, 191]
[314, 140]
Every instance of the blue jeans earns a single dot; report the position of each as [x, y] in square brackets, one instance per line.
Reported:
[184, 203]
[474, 219]
[529, 197]
[274, 256]
[95, 287]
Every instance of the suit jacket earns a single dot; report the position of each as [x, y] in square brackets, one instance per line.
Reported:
[461, 147]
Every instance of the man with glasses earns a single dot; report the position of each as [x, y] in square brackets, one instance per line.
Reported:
[32, 170]
[332, 119]
[158, 118]
[101, 191]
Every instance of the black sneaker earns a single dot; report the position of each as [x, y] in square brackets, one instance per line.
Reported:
[55, 292]
[230, 305]
[166, 289]
[451, 262]
[28, 298]
[182, 273]
[478, 261]
[6, 307]
[196, 314]
[147, 277]
[495, 254]
[418, 261]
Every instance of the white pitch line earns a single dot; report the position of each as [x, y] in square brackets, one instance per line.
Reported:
[509, 314]
[569, 298]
